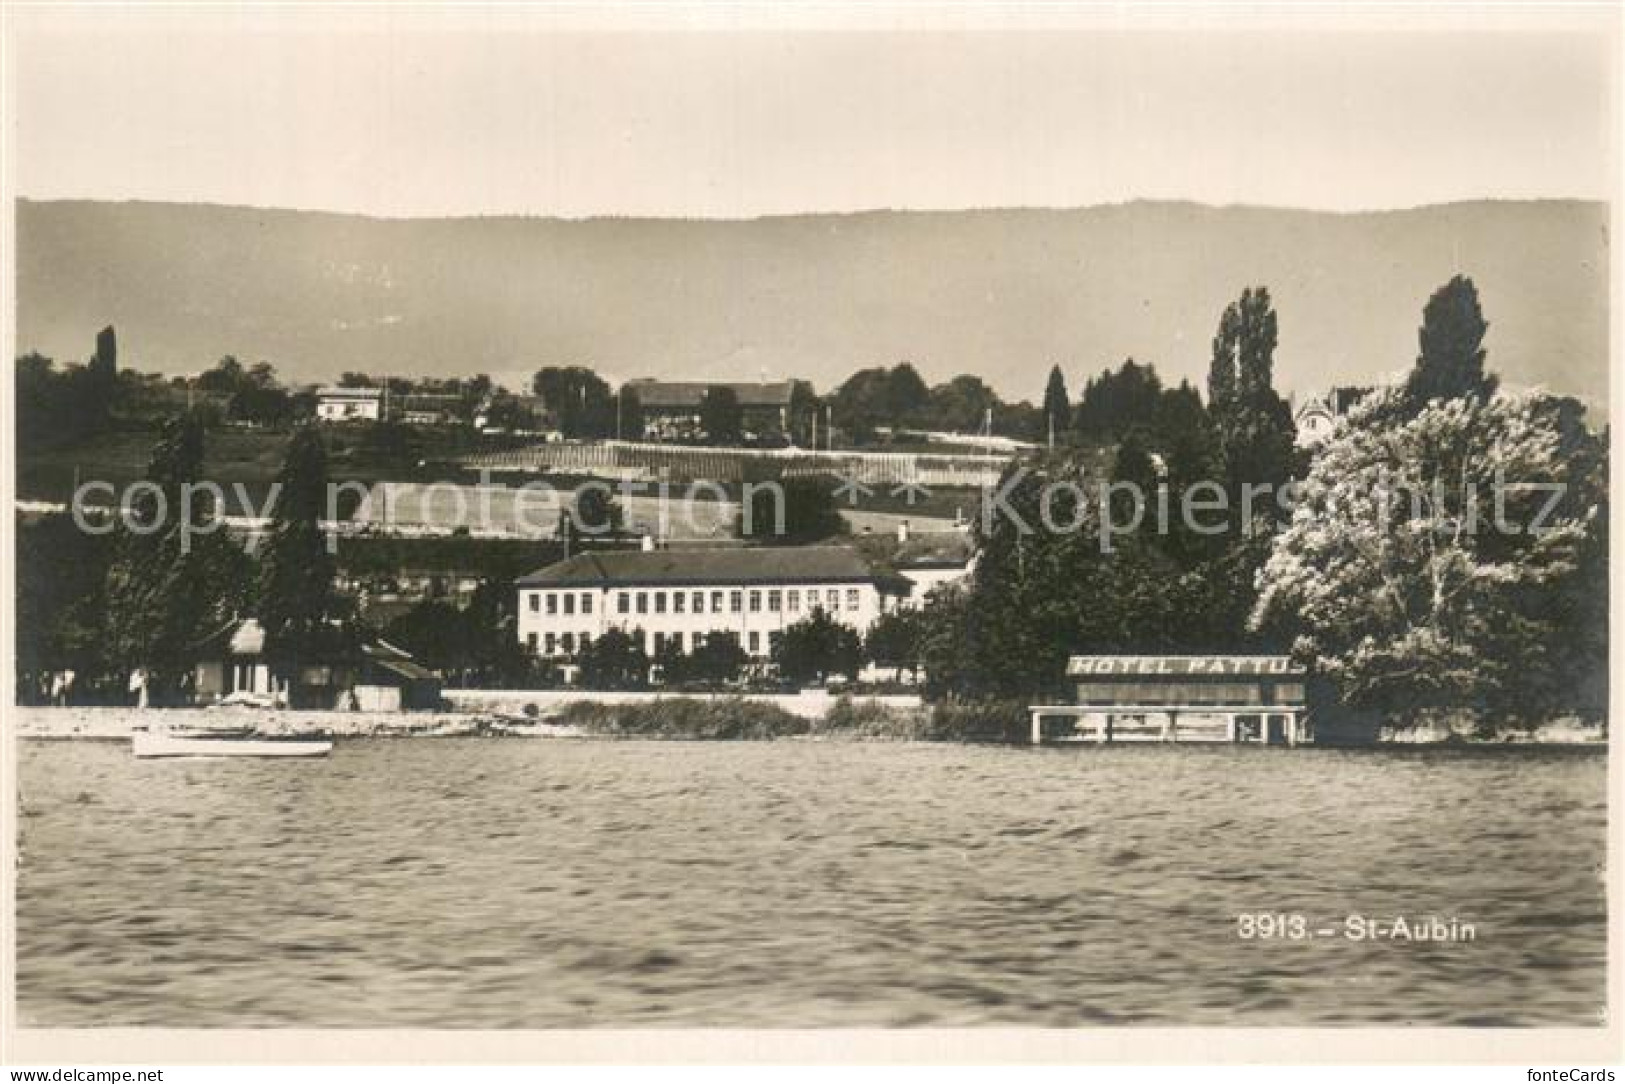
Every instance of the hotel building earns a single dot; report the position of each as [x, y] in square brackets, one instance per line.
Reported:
[685, 596]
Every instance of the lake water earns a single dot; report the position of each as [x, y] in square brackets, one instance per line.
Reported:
[533, 883]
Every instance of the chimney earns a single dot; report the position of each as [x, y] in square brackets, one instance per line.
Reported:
[648, 543]
[902, 533]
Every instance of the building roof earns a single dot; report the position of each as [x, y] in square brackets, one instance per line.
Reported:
[399, 664]
[672, 394]
[350, 393]
[236, 637]
[921, 550]
[735, 565]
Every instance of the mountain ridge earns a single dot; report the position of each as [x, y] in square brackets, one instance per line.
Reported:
[1000, 292]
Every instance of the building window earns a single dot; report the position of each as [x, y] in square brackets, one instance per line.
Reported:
[552, 643]
[832, 600]
[586, 641]
[586, 603]
[643, 602]
[677, 601]
[773, 641]
[852, 598]
[755, 642]
[755, 602]
[623, 602]
[552, 603]
[716, 602]
[530, 641]
[736, 600]
[794, 601]
[775, 602]
[660, 602]
[568, 643]
[535, 602]
[699, 602]
[660, 642]
[570, 604]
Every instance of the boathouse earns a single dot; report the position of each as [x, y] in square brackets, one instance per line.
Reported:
[1254, 699]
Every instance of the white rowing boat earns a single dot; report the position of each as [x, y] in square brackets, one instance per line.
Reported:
[158, 744]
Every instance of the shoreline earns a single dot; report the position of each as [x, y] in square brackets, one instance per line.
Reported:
[555, 714]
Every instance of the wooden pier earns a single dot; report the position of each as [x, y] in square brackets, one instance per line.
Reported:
[1227, 699]
[1077, 723]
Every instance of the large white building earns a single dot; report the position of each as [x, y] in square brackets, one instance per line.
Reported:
[686, 595]
[349, 404]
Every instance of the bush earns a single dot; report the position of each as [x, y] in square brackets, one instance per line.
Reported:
[686, 718]
[977, 721]
[980, 721]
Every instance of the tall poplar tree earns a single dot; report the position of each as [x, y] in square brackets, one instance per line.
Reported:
[1451, 362]
[1057, 405]
[175, 576]
[298, 607]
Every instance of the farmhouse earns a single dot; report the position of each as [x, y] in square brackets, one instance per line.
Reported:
[349, 404]
[686, 596]
[671, 409]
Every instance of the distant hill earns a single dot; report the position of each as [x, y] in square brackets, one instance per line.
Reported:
[1000, 293]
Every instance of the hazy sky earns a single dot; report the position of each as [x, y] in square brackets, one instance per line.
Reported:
[423, 120]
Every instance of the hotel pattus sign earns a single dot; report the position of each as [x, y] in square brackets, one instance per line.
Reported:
[1183, 666]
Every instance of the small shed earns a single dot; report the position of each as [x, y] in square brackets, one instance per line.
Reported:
[232, 661]
[389, 680]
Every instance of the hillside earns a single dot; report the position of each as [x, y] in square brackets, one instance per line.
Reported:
[1001, 293]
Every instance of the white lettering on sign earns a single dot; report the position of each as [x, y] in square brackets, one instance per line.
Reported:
[1183, 664]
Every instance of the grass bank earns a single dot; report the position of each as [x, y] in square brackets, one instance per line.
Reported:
[740, 719]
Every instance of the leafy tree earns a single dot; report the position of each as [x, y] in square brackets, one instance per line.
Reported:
[1401, 579]
[61, 603]
[721, 416]
[960, 405]
[436, 635]
[302, 615]
[102, 370]
[1256, 339]
[808, 503]
[672, 662]
[1115, 403]
[871, 398]
[227, 376]
[592, 512]
[805, 407]
[174, 577]
[579, 400]
[1256, 438]
[1222, 378]
[718, 660]
[896, 640]
[816, 647]
[1057, 406]
[615, 660]
[629, 422]
[907, 396]
[260, 405]
[1451, 362]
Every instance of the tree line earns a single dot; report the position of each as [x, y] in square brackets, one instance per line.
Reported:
[1414, 609]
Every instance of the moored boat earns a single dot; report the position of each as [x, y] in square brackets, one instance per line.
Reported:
[203, 744]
